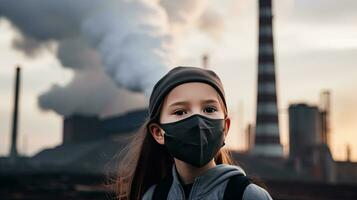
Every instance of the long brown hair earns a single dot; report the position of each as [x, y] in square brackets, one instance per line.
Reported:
[145, 163]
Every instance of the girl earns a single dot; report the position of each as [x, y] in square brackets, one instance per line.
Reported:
[177, 153]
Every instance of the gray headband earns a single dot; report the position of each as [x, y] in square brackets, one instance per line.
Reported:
[178, 76]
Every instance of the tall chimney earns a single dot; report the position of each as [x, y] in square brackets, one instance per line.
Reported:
[348, 153]
[249, 139]
[205, 61]
[325, 115]
[13, 149]
[267, 137]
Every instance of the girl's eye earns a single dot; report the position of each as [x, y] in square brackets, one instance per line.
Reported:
[210, 109]
[179, 112]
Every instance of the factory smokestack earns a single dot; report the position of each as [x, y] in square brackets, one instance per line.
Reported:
[267, 138]
[205, 60]
[325, 108]
[13, 149]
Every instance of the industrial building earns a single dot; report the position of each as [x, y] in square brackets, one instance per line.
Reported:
[308, 151]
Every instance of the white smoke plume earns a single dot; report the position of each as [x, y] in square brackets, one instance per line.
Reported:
[182, 13]
[90, 89]
[132, 39]
[212, 23]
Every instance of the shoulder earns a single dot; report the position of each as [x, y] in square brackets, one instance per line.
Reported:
[148, 194]
[255, 192]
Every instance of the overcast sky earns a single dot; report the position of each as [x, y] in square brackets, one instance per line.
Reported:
[315, 49]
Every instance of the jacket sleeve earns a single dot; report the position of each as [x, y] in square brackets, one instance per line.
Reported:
[254, 192]
[148, 194]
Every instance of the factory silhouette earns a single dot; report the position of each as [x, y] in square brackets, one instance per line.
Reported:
[92, 145]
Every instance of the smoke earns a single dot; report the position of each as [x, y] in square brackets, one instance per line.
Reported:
[212, 23]
[131, 36]
[89, 93]
[75, 53]
[30, 46]
[183, 12]
[132, 40]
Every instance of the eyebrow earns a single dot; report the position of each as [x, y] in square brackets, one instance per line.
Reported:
[186, 102]
[178, 103]
[210, 101]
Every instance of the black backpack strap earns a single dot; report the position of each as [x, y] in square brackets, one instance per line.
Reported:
[162, 188]
[236, 186]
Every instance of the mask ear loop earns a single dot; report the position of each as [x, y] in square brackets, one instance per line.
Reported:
[225, 117]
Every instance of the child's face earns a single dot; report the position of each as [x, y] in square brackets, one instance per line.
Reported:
[191, 98]
[188, 99]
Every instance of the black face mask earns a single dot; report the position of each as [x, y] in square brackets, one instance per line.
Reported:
[194, 140]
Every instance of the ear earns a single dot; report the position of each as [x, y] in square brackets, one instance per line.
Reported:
[157, 133]
[227, 125]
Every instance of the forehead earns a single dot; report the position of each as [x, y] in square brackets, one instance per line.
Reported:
[193, 91]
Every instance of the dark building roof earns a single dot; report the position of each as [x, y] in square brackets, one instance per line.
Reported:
[272, 168]
[90, 157]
